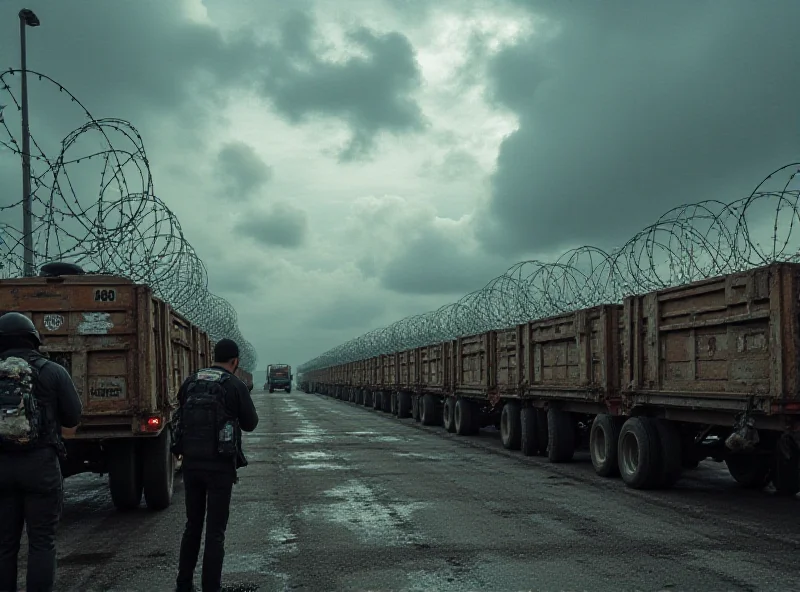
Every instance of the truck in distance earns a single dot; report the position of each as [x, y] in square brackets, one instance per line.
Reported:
[279, 376]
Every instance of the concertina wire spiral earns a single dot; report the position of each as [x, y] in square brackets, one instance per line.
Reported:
[126, 231]
[686, 244]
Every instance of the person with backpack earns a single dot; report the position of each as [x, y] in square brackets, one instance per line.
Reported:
[215, 407]
[37, 400]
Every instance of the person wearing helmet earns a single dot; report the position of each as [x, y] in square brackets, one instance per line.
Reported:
[37, 400]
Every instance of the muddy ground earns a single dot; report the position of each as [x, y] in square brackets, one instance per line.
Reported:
[338, 497]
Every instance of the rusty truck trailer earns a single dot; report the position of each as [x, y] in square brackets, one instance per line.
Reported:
[128, 353]
[652, 385]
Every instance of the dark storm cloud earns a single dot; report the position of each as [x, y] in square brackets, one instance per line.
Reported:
[371, 93]
[282, 226]
[634, 107]
[126, 59]
[433, 263]
[242, 170]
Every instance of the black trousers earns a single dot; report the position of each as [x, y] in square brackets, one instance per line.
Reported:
[208, 499]
[31, 493]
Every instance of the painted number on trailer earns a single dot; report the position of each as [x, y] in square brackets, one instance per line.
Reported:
[105, 295]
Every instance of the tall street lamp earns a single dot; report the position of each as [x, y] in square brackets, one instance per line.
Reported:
[26, 18]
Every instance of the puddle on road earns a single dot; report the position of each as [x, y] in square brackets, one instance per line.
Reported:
[320, 467]
[305, 440]
[431, 457]
[358, 509]
[311, 455]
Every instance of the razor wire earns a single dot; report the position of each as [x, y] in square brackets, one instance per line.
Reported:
[686, 244]
[123, 230]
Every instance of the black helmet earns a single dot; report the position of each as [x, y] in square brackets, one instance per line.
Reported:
[14, 324]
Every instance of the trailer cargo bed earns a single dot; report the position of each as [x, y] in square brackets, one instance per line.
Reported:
[128, 353]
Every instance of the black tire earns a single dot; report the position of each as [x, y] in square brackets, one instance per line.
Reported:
[542, 432]
[403, 405]
[786, 469]
[690, 458]
[448, 414]
[289, 391]
[603, 442]
[510, 425]
[271, 390]
[387, 402]
[415, 404]
[560, 436]
[368, 399]
[529, 437]
[377, 400]
[464, 417]
[639, 453]
[427, 411]
[158, 471]
[124, 474]
[671, 453]
[750, 471]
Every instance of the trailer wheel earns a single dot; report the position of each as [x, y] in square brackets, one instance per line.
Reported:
[367, 402]
[415, 407]
[387, 402]
[690, 458]
[466, 423]
[560, 436]
[510, 424]
[428, 410]
[448, 414]
[271, 390]
[529, 436]
[639, 453]
[786, 472]
[124, 474]
[750, 471]
[671, 453]
[158, 471]
[542, 431]
[603, 441]
[404, 405]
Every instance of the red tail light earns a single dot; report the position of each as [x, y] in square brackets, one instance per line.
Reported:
[151, 424]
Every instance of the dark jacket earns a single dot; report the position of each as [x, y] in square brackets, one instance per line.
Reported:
[55, 392]
[238, 404]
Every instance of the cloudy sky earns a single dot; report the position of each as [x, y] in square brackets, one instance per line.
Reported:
[340, 165]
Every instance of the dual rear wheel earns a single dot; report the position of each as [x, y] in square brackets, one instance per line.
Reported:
[138, 467]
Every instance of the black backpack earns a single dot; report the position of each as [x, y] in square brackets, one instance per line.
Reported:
[22, 418]
[203, 428]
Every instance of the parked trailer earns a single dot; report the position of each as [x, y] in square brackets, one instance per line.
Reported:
[128, 353]
[652, 386]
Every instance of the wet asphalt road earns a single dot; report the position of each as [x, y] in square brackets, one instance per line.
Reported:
[338, 497]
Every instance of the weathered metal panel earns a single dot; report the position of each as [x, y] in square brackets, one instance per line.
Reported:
[578, 353]
[506, 354]
[724, 338]
[432, 364]
[473, 362]
[414, 362]
[403, 368]
[113, 337]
